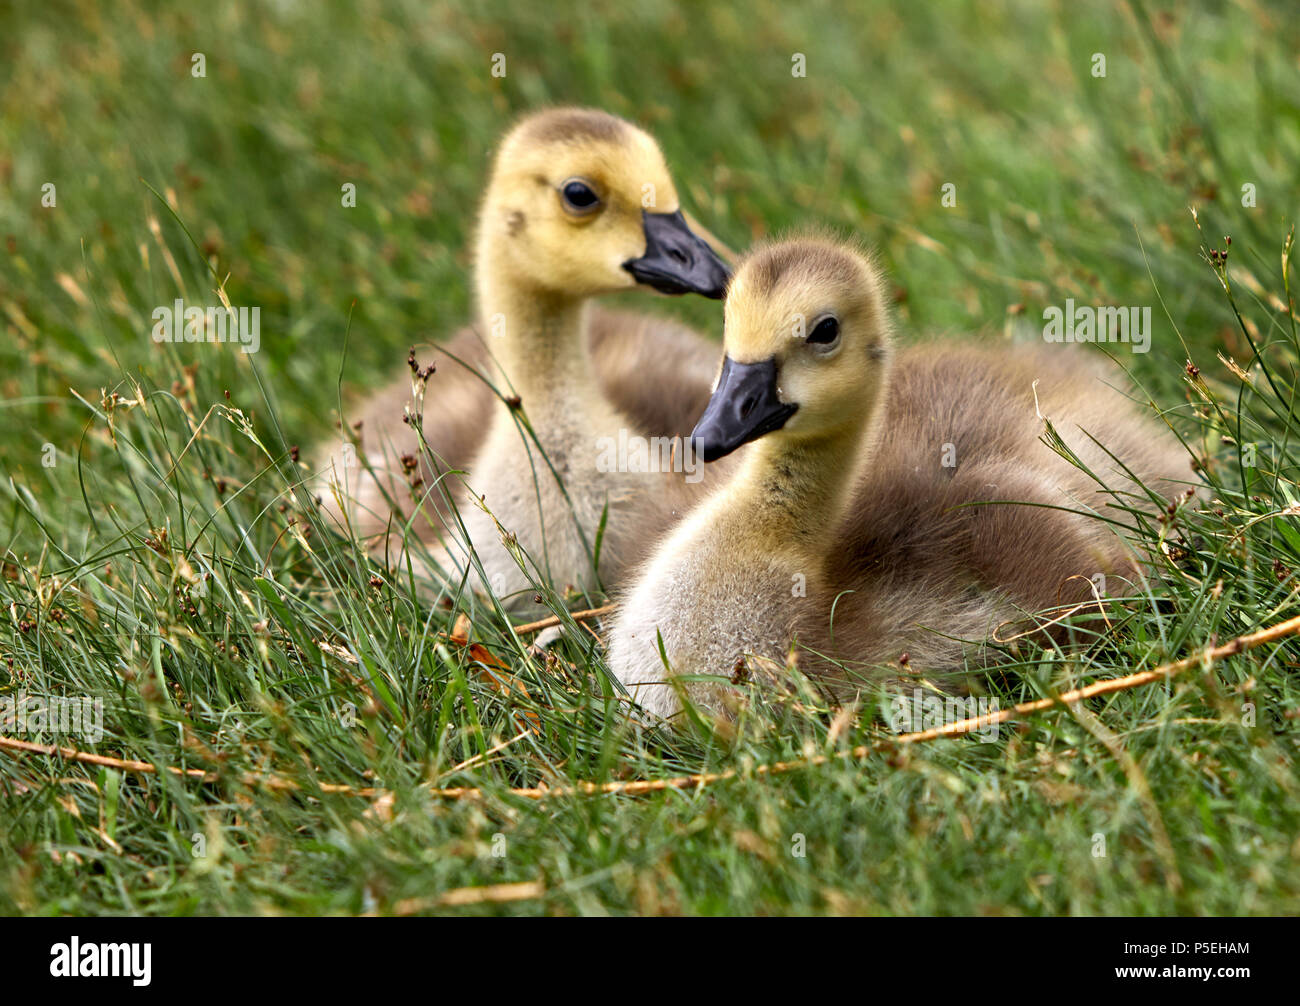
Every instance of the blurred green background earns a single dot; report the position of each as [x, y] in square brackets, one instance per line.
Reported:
[1061, 177]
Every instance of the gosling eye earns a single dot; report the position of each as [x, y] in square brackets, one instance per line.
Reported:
[825, 334]
[579, 197]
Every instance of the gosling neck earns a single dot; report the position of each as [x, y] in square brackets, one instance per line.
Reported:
[537, 337]
[790, 495]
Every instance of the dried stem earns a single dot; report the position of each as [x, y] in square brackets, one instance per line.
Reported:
[638, 787]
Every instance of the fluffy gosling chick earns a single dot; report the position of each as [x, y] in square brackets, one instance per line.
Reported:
[580, 204]
[850, 526]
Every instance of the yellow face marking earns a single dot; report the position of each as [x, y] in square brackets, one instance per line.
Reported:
[539, 242]
[777, 298]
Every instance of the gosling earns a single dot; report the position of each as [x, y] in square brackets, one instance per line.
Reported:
[580, 204]
[849, 526]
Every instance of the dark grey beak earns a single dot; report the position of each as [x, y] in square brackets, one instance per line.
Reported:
[676, 259]
[745, 407]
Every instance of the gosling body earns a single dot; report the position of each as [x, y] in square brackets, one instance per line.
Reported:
[654, 371]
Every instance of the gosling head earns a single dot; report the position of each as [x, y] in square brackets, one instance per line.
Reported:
[806, 348]
[581, 203]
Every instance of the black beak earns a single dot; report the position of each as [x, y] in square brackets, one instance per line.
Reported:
[676, 259]
[744, 408]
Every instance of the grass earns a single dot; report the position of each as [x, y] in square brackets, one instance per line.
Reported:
[159, 557]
